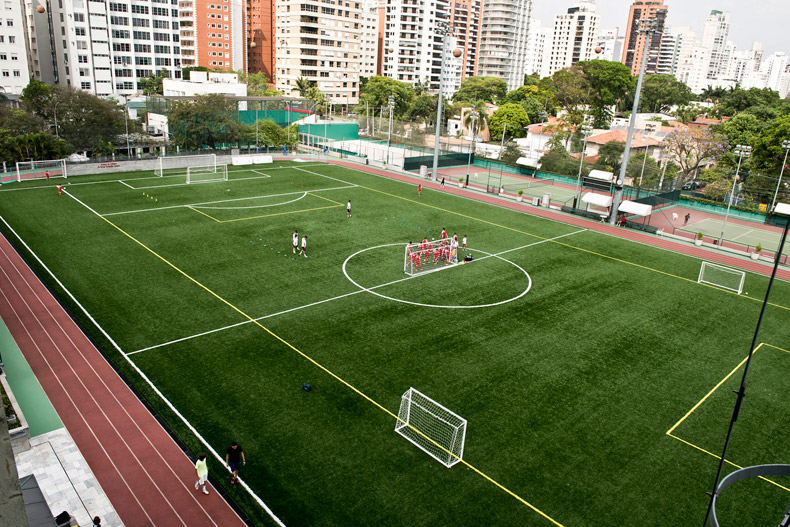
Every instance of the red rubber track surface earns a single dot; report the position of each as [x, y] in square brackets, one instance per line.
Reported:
[147, 477]
[691, 250]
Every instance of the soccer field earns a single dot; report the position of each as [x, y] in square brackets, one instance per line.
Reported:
[595, 373]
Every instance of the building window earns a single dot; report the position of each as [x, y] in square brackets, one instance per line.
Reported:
[141, 9]
[85, 85]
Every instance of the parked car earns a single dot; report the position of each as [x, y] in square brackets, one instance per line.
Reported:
[693, 185]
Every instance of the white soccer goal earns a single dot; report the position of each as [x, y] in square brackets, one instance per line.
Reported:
[721, 276]
[178, 165]
[204, 174]
[422, 257]
[431, 427]
[39, 169]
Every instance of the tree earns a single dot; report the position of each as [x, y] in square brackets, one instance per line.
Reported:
[270, 134]
[302, 86]
[423, 108]
[37, 98]
[571, 88]
[19, 121]
[651, 173]
[768, 154]
[511, 154]
[742, 129]
[610, 156]
[31, 147]
[487, 89]
[378, 90]
[533, 99]
[693, 147]
[482, 118]
[662, 92]
[318, 98]
[689, 114]
[206, 120]
[557, 160]
[153, 84]
[609, 83]
[738, 100]
[84, 119]
[514, 116]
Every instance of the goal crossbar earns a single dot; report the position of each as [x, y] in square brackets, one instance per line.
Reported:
[204, 174]
[721, 276]
[47, 168]
[178, 165]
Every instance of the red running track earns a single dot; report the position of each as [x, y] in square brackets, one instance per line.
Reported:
[147, 477]
[656, 241]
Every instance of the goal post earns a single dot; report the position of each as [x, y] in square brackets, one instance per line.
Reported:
[428, 255]
[205, 174]
[721, 276]
[178, 165]
[40, 169]
[431, 427]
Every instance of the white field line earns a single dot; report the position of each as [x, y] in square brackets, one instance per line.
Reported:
[251, 206]
[142, 375]
[323, 175]
[745, 233]
[122, 182]
[345, 295]
[198, 205]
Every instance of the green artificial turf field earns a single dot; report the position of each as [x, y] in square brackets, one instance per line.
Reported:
[578, 359]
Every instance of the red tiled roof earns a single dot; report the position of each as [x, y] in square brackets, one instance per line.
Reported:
[639, 141]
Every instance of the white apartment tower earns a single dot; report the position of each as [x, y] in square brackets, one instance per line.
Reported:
[676, 45]
[413, 46]
[611, 44]
[101, 46]
[575, 37]
[504, 35]
[537, 44]
[369, 22]
[14, 71]
[714, 37]
[321, 41]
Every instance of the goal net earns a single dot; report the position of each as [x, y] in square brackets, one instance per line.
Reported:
[431, 427]
[204, 174]
[178, 165]
[40, 169]
[426, 255]
[721, 276]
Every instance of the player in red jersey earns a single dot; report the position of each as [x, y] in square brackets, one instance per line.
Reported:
[447, 254]
[444, 233]
[417, 261]
[437, 253]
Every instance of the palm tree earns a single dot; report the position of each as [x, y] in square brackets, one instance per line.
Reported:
[302, 86]
[481, 121]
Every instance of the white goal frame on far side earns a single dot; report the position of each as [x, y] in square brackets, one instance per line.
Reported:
[204, 174]
[38, 169]
[183, 162]
[719, 276]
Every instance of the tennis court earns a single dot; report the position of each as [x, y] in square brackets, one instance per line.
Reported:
[569, 353]
[738, 233]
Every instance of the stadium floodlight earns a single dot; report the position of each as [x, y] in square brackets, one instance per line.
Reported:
[786, 148]
[648, 28]
[431, 427]
[40, 169]
[741, 151]
[782, 210]
[585, 130]
[473, 117]
[441, 28]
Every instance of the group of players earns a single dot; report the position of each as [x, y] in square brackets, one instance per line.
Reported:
[435, 251]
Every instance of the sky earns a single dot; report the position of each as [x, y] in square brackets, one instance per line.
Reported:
[756, 20]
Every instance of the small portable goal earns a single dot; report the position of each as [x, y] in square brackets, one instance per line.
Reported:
[431, 427]
[721, 276]
[207, 174]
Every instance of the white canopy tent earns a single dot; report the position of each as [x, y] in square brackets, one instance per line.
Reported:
[638, 209]
[597, 200]
[602, 175]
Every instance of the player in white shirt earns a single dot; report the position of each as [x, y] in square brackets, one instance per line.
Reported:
[464, 242]
[304, 246]
[348, 209]
[296, 240]
[454, 252]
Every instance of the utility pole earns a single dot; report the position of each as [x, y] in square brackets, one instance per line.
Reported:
[442, 28]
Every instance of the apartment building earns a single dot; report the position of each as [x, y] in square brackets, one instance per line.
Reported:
[574, 38]
[14, 72]
[676, 45]
[465, 27]
[260, 37]
[413, 44]
[714, 37]
[320, 41]
[611, 44]
[213, 33]
[504, 39]
[635, 41]
[101, 46]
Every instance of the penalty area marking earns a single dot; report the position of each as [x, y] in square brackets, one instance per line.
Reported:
[250, 206]
[489, 255]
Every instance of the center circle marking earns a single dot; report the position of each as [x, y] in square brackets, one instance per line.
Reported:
[370, 290]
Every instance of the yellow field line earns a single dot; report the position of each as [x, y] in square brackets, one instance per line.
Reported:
[281, 213]
[726, 460]
[725, 379]
[777, 348]
[613, 258]
[313, 361]
[204, 214]
[322, 197]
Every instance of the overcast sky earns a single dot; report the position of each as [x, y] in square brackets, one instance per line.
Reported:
[765, 21]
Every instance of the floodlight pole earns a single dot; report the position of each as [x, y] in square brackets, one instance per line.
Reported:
[585, 130]
[473, 116]
[642, 173]
[57, 136]
[786, 147]
[390, 106]
[785, 212]
[126, 122]
[663, 173]
[442, 28]
[741, 151]
[647, 28]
